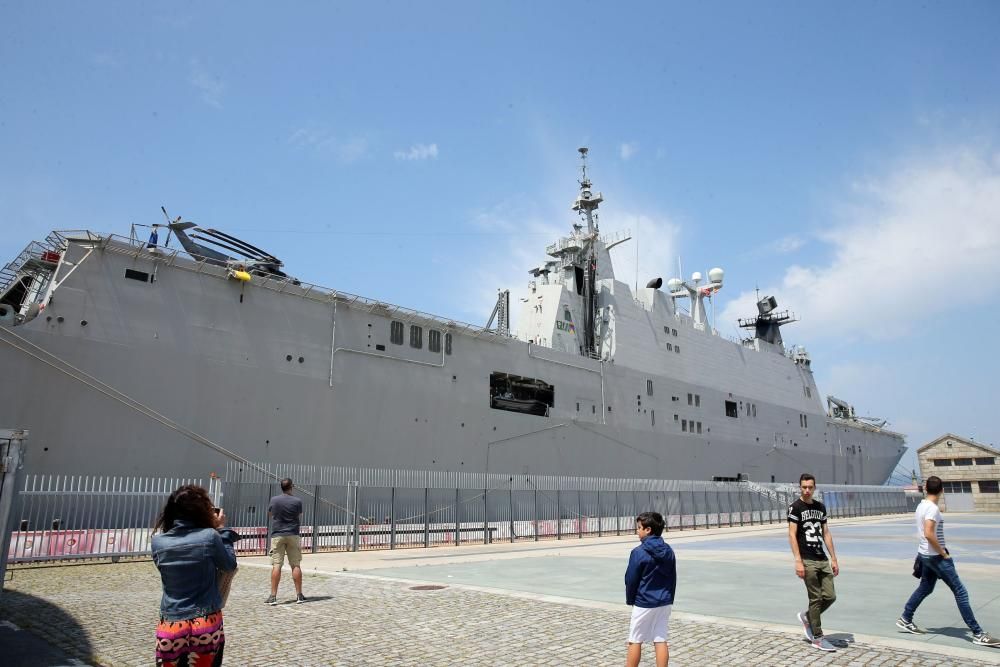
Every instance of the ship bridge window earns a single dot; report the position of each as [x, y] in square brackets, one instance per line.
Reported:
[677, 349]
[525, 395]
[567, 316]
[940, 463]
[690, 399]
[697, 400]
[396, 333]
[416, 336]
[670, 347]
[649, 387]
[447, 343]
[731, 409]
[963, 462]
[673, 332]
[990, 486]
[986, 461]
[434, 340]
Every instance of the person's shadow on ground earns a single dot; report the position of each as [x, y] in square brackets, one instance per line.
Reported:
[309, 600]
[951, 631]
[840, 639]
[36, 633]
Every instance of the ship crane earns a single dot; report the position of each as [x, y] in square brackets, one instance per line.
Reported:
[839, 409]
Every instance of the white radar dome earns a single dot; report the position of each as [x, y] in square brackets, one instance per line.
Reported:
[716, 275]
[674, 284]
[696, 276]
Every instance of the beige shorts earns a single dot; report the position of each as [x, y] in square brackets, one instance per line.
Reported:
[290, 544]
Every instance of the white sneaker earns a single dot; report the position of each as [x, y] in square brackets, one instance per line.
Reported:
[986, 639]
[806, 627]
[823, 645]
[909, 626]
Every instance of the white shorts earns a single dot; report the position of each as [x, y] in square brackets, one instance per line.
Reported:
[649, 625]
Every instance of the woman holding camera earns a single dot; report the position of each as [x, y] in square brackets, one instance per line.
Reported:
[190, 546]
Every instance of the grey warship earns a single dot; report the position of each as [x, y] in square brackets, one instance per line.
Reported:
[125, 356]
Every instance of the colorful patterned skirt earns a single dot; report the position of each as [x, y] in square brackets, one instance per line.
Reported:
[195, 642]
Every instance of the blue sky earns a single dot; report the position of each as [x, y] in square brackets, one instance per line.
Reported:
[842, 156]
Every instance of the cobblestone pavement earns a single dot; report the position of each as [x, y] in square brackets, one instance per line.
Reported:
[112, 609]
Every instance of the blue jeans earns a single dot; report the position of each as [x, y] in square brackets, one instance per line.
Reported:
[937, 567]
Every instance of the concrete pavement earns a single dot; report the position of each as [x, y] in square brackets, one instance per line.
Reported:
[546, 603]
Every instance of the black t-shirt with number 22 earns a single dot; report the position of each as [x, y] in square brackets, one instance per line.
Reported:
[809, 519]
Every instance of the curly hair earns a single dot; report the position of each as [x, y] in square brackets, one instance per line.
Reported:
[190, 503]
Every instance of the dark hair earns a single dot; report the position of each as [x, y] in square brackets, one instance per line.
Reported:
[651, 520]
[190, 503]
[805, 476]
[933, 485]
[286, 484]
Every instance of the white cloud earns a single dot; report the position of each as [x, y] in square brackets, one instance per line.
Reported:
[912, 244]
[418, 152]
[787, 244]
[209, 85]
[628, 149]
[323, 141]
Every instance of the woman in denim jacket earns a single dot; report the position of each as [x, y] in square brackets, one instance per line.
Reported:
[191, 548]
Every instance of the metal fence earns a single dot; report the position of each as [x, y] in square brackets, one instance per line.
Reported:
[366, 508]
[64, 517]
[350, 509]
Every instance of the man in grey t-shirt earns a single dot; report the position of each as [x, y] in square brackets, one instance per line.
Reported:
[285, 512]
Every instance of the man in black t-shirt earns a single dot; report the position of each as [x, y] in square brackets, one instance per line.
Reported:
[807, 532]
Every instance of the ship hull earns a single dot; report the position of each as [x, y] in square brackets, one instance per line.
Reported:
[282, 376]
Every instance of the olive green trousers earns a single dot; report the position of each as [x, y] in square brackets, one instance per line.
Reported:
[819, 586]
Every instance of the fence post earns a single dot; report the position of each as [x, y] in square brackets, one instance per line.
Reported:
[486, 509]
[458, 519]
[392, 518]
[618, 515]
[315, 535]
[535, 510]
[558, 515]
[427, 516]
[579, 513]
[357, 518]
[11, 454]
[238, 502]
[510, 496]
[708, 515]
[600, 515]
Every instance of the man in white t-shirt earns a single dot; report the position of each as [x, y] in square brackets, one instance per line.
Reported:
[936, 563]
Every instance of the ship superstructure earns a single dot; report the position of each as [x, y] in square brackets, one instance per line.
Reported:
[98, 332]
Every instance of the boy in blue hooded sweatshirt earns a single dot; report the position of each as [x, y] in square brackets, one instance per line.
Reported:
[650, 583]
